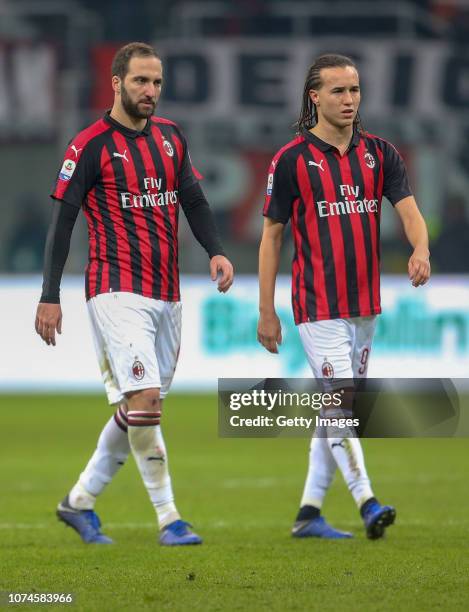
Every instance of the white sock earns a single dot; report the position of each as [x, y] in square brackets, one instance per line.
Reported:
[148, 448]
[321, 471]
[348, 454]
[110, 455]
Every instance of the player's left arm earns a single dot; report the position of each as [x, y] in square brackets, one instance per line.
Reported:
[201, 219]
[202, 223]
[416, 232]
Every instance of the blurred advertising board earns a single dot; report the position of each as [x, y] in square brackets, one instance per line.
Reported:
[29, 92]
[213, 78]
[422, 333]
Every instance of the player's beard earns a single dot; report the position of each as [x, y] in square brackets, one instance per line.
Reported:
[132, 109]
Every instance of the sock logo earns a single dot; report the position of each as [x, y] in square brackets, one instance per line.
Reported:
[341, 444]
[138, 370]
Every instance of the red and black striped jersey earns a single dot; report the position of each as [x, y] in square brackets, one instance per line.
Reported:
[127, 183]
[334, 203]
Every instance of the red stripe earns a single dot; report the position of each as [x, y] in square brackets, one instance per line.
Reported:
[152, 415]
[163, 121]
[311, 224]
[170, 185]
[79, 142]
[299, 304]
[138, 215]
[122, 239]
[358, 241]
[143, 423]
[373, 193]
[336, 234]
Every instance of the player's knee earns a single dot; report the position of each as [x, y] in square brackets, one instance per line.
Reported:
[146, 400]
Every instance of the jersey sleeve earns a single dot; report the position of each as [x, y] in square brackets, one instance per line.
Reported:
[77, 174]
[188, 175]
[396, 182]
[281, 190]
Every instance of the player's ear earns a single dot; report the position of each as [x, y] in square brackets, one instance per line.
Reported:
[313, 94]
[116, 84]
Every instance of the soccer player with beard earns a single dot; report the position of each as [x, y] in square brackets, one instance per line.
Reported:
[329, 181]
[129, 172]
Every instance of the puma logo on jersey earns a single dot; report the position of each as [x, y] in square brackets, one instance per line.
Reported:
[124, 155]
[311, 163]
[75, 150]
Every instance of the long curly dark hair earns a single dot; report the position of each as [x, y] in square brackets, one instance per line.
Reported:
[309, 114]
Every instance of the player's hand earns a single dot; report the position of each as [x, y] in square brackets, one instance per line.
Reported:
[419, 267]
[48, 321]
[221, 267]
[269, 332]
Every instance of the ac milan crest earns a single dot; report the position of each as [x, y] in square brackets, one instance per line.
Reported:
[138, 370]
[369, 160]
[327, 369]
[168, 148]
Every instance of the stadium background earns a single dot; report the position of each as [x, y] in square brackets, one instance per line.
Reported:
[234, 73]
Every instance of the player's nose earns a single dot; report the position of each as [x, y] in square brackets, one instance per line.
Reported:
[150, 90]
[348, 98]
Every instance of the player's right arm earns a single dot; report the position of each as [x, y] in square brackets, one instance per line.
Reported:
[49, 312]
[73, 182]
[269, 331]
[281, 192]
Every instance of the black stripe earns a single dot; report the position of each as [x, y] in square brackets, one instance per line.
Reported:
[94, 221]
[160, 169]
[358, 179]
[308, 275]
[347, 237]
[324, 237]
[127, 215]
[151, 225]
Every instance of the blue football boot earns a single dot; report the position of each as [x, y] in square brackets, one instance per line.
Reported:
[376, 518]
[85, 522]
[318, 528]
[178, 533]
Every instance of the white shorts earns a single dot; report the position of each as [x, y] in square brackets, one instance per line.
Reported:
[137, 342]
[338, 348]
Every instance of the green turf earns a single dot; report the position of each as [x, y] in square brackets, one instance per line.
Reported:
[241, 496]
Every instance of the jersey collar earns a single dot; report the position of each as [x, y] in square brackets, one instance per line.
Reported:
[325, 146]
[128, 132]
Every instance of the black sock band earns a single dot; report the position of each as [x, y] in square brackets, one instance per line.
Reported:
[366, 505]
[307, 513]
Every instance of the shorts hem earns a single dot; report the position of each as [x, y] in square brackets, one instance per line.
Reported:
[349, 315]
[142, 387]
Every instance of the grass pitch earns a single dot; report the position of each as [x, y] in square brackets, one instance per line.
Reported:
[241, 496]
